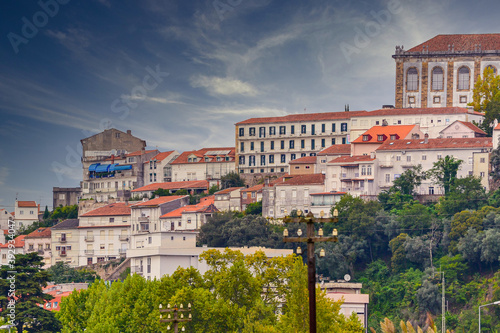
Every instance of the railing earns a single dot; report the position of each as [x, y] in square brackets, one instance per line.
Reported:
[137, 270]
[89, 252]
[386, 164]
[89, 238]
[122, 251]
[62, 253]
[123, 237]
[41, 252]
[144, 227]
[62, 239]
[143, 219]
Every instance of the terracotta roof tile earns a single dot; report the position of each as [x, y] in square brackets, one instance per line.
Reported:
[448, 143]
[462, 42]
[26, 204]
[298, 117]
[256, 188]
[18, 242]
[310, 179]
[329, 193]
[67, 224]
[198, 184]
[200, 207]
[140, 152]
[497, 127]
[158, 201]
[40, 233]
[115, 209]
[228, 190]
[353, 159]
[473, 127]
[304, 160]
[419, 111]
[336, 150]
[401, 132]
[206, 152]
[162, 156]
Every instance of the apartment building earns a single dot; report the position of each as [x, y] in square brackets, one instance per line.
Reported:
[65, 242]
[6, 250]
[158, 168]
[462, 129]
[204, 164]
[442, 71]
[40, 241]
[26, 213]
[104, 233]
[330, 153]
[190, 217]
[352, 174]
[192, 187]
[228, 199]
[303, 165]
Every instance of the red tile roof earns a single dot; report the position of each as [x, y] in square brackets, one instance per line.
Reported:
[473, 127]
[336, 150]
[204, 206]
[198, 184]
[18, 242]
[298, 117]
[26, 204]
[228, 190]
[158, 201]
[420, 111]
[141, 152]
[448, 143]
[304, 160]
[115, 209]
[162, 156]
[256, 188]
[206, 152]
[497, 127]
[55, 303]
[353, 159]
[463, 42]
[329, 193]
[401, 132]
[310, 179]
[40, 233]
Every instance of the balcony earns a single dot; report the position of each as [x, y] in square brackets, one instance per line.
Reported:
[137, 270]
[89, 238]
[62, 253]
[386, 164]
[123, 238]
[89, 252]
[41, 252]
[62, 239]
[122, 251]
[143, 219]
[144, 227]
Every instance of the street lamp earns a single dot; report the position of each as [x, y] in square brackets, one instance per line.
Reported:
[494, 303]
[311, 238]
[177, 318]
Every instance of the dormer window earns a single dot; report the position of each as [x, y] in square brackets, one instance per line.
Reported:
[366, 137]
[207, 159]
[394, 137]
[380, 138]
[219, 159]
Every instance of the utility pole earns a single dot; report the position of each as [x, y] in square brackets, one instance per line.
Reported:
[311, 259]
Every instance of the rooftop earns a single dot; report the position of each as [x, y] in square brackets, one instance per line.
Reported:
[198, 184]
[18, 242]
[372, 135]
[336, 150]
[40, 233]
[158, 201]
[207, 153]
[114, 209]
[460, 43]
[442, 143]
[310, 179]
[419, 111]
[228, 190]
[353, 159]
[206, 206]
[26, 204]
[67, 224]
[303, 117]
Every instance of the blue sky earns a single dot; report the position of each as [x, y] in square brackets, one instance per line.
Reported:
[179, 74]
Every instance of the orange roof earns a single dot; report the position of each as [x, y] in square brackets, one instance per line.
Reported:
[400, 131]
[353, 159]
[161, 156]
[304, 160]
[497, 127]
[159, 201]
[419, 111]
[310, 179]
[329, 193]
[200, 207]
[115, 209]
[40, 233]
[18, 242]
[26, 204]
[210, 153]
[448, 143]
[336, 150]
[141, 152]
[460, 43]
[472, 127]
[256, 188]
[228, 190]
[55, 303]
[297, 117]
[199, 184]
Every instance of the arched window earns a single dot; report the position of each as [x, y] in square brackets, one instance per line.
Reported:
[493, 68]
[412, 79]
[437, 78]
[464, 78]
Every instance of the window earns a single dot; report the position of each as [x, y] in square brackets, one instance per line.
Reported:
[323, 128]
[292, 129]
[241, 131]
[463, 78]
[333, 127]
[343, 127]
[302, 154]
[302, 143]
[251, 160]
[431, 190]
[251, 131]
[282, 129]
[251, 146]
[490, 67]
[408, 158]
[117, 135]
[463, 99]
[282, 158]
[344, 140]
[424, 157]
[149, 265]
[323, 143]
[367, 138]
[292, 144]
[263, 160]
[303, 129]
[262, 132]
[387, 177]
[111, 219]
[482, 174]
[272, 130]
[293, 156]
[242, 147]
[242, 160]
[380, 138]
[271, 159]
[482, 160]
[436, 100]
[412, 79]
[313, 129]
[312, 144]
[262, 146]
[437, 79]
[333, 141]
[102, 246]
[282, 144]
[398, 158]
[439, 156]
[179, 223]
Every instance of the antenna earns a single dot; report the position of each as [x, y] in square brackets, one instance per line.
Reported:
[17, 194]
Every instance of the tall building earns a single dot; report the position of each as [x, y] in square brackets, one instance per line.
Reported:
[442, 71]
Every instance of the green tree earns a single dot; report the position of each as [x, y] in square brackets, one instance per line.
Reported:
[444, 171]
[46, 213]
[486, 97]
[161, 193]
[61, 272]
[213, 189]
[232, 179]
[254, 208]
[464, 193]
[28, 281]
[409, 180]
[398, 259]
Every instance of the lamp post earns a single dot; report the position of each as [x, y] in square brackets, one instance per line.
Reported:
[311, 238]
[177, 318]
[494, 303]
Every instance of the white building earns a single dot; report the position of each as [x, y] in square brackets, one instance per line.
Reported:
[158, 168]
[190, 217]
[352, 174]
[192, 187]
[65, 242]
[26, 213]
[5, 217]
[5, 251]
[40, 241]
[228, 199]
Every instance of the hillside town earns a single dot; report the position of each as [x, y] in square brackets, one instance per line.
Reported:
[143, 209]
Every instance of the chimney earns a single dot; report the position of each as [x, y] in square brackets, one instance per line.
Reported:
[387, 106]
[426, 138]
[129, 132]
[372, 154]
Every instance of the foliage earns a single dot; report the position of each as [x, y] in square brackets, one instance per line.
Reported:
[62, 273]
[254, 208]
[29, 281]
[408, 180]
[465, 193]
[46, 213]
[160, 193]
[444, 171]
[495, 171]
[63, 213]
[486, 97]
[232, 179]
[213, 189]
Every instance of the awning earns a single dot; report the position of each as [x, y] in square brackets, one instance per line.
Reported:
[92, 167]
[102, 168]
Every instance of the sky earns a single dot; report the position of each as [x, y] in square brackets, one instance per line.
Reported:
[180, 74]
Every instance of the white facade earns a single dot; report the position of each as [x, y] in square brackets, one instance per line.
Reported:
[355, 175]
[40, 241]
[65, 242]
[26, 213]
[228, 199]
[158, 168]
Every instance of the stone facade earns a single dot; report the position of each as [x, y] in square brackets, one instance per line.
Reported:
[65, 196]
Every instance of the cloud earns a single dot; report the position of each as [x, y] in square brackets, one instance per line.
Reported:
[223, 86]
